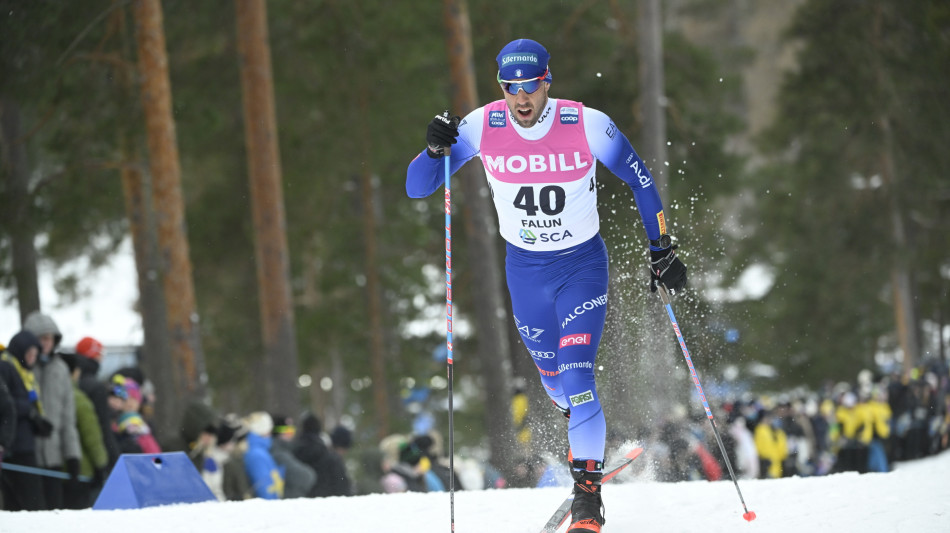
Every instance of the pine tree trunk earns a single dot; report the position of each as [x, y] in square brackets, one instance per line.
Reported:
[363, 82]
[490, 305]
[156, 354]
[176, 271]
[17, 209]
[902, 283]
[662, 360]
[653, 100]
[368, 202]
[267, 205]
[903, 286]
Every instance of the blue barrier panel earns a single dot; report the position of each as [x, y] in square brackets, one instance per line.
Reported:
[151, 479]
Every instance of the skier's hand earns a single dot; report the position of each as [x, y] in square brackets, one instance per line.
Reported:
[442, 133]
[666, 267]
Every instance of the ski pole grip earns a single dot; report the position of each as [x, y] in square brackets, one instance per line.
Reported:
[454, 121]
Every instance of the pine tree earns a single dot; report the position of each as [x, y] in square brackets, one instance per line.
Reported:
[855, 152]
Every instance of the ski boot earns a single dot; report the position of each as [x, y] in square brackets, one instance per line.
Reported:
[587, 510]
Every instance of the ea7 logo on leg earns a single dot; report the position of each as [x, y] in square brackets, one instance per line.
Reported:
[584, 397]
[575, 340]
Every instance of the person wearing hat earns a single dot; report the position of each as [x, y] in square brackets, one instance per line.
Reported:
[341, 438]
[222, 467]
[23, 491]
[771, 442]
[90, 351]
[95, 459]
[309, 446]
[232, 436]
[132, 431]
[540, 155]
[266, 477]
[299, 477]
[61, 449]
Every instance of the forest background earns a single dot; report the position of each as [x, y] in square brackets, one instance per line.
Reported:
[801, 143]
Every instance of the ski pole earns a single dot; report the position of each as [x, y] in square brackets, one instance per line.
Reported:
[448, 329]
[665, 296]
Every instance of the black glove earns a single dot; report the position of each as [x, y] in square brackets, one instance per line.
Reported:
[667, 268]
[442, 133]
[99, 477]
[72, 468]
[42, 427]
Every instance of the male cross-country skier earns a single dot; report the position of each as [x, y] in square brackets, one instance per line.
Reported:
[539, 155]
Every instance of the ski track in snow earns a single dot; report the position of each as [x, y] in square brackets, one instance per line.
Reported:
[914, 498]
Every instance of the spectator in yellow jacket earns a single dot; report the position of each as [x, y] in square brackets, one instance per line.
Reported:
[772, 445]
[855, 419]
[856, 432]
[519, 416]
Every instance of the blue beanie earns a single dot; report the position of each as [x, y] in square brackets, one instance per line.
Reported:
[523, 59]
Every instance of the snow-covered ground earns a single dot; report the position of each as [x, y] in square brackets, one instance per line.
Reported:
[914, 498]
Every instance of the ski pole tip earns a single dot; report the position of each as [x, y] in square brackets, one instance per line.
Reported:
[749, 516]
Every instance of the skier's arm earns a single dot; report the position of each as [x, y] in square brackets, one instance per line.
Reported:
[426, 174]
[613, 149]
[609, 145]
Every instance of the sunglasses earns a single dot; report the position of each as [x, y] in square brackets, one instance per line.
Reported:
[528, 86]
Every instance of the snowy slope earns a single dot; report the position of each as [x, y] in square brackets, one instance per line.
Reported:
[915, 498]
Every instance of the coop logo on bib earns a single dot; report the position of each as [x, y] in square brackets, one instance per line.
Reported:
[569, 115]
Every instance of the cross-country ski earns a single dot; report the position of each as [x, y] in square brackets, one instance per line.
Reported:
[564, 510]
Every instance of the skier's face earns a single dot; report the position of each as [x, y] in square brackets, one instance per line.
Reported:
[526, 108]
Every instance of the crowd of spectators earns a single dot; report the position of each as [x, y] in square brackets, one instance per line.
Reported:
[266, 455]
[63, 427]
[864, 426]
